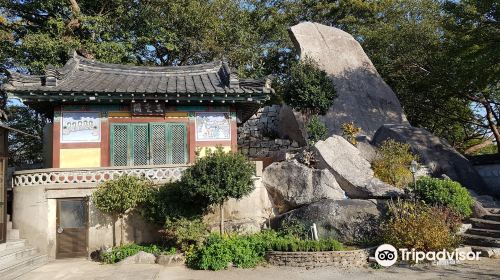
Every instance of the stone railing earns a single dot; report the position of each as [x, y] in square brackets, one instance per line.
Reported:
[55, 176]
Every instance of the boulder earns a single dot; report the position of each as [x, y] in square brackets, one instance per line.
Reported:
[170, 260]
[351, 170]
[363, 96]
[292, 125]
[291, 184]
[349, 220]
[139, 258]
[439, 156]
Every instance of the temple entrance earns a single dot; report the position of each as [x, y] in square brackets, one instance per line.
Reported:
[71, 228]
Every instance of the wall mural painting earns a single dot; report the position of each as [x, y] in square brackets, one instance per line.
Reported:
[213, 126]
[80, 127]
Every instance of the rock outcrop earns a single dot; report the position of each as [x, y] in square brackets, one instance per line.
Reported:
[291, 184]
[351, 170]
[439, 156]
[363, 96]
[349, 220]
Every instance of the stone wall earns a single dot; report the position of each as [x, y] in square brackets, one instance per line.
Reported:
[338, 259]
[258, 137]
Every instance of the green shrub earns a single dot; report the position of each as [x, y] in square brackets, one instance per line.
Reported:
[183, 232]
[169, 202]
[217, 177]
[247, 251]
[118, 196]
[350, 131]
[119, 253]
[445, 192]
[393, 162]
[414, 225]
[308, 89]
[316, 130]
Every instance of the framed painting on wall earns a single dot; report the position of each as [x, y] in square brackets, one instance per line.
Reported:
[77, 127]
[213, 126]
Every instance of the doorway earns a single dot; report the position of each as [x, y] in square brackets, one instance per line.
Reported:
[71, 228]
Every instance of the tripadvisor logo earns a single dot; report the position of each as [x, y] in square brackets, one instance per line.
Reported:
[386, 255]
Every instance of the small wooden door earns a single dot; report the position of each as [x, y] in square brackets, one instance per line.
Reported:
[71, 228]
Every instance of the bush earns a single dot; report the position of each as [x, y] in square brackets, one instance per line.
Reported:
[393, 162]
[247, 251]
[218, 176]
[183, 232]
[119, 253]
[418, 226]
[171, 202]
[445, 192]
[118, 196]
[350, 131]
[316, 130]
[308, 89]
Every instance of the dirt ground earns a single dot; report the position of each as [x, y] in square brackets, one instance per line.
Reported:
[83, 269]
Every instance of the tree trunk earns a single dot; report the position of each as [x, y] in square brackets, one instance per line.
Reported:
[121, 230]
[478, 147]
[221, 209]
[491, 123]
[115, 219]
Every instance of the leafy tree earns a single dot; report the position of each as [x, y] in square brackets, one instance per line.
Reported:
[24, 149]
[119, 196]
[217, 177]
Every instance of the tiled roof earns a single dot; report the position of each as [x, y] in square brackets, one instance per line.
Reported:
[81, 75]
[82, 80]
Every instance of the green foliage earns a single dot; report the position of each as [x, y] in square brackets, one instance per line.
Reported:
[308, 89]
[350, 131]
[420, 227]
[445, 192]
[218, 176]
[183, 232]
[294, 228]
[117, 196]
[170, 202]
[316, 130]
[247, 251]
[121, 252]
[25, 150]
[392, 164]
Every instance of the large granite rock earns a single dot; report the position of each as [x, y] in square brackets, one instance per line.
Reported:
[439, 156]
[349, 220]
[351, 170]
[291, 184]
[363, 96]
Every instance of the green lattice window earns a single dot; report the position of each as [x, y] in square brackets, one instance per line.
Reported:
[153, 143]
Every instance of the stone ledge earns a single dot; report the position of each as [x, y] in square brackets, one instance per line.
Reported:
[339, 259]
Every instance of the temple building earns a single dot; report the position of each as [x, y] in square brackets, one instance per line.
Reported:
[110, 119]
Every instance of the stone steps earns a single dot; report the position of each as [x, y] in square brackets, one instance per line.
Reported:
[492, 217]
[484, 232]
[17, 267]
[493, 210]
[484, 223]
[16, 256]
[484, 241]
